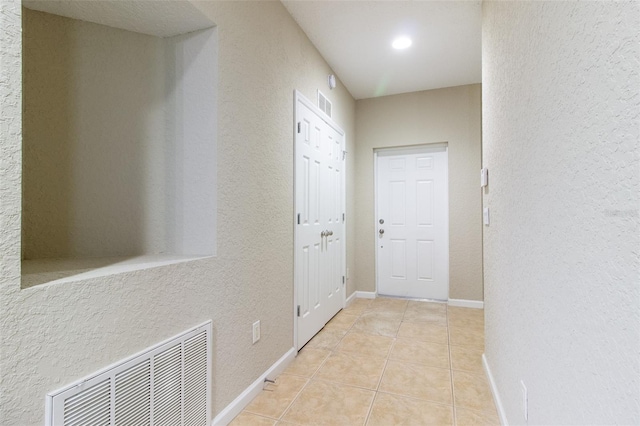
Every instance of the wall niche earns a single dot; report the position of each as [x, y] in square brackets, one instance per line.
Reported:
[119, 138]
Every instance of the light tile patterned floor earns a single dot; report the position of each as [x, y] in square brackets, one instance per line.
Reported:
[384, 362]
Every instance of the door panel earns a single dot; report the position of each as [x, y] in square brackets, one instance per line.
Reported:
[424, 252]
[413, 238]
[337, 193]
[424, 203]
[397, 205]
[329, 200]
[399, 259]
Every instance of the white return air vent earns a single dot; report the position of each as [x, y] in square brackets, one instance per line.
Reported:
[324, 104]
[168, 384]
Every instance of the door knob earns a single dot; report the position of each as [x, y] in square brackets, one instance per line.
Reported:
[381, 231]
[329, 233]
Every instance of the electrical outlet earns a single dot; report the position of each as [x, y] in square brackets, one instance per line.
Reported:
[256, 331]
[525, 401]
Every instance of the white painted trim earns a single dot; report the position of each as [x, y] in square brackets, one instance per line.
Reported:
[396, 150]
[55, 401]
[350, 299]
[366, 294]
[359, 295]
[413, 149]
[237, 405]
[298, 97]
[462, 303]
[295, 222]
[375, 214]
[324, 117]
[494, 391]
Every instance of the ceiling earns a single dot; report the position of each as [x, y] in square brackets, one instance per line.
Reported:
[157, 18]
[355, 39]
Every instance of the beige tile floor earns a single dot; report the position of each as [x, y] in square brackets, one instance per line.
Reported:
[384, 362]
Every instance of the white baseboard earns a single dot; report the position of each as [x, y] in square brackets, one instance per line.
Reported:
[359, 295]
[232, 410]
[494, 391]
[462, 303]
[365, 294]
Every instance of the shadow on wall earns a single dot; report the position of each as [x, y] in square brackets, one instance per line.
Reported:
[92, 119]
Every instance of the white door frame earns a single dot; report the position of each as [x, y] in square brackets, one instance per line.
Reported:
[402, 149]
[298, 96]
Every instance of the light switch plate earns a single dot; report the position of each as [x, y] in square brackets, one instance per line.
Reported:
[525, 401]
[256, 331]
[484, 177]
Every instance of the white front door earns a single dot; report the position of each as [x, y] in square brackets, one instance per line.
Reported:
[412, 223]
[319, 227]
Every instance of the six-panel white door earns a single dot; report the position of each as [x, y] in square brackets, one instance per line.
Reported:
[334, 218]
[412, 226]
[319, 235]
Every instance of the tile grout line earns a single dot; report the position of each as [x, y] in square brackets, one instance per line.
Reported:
[373, 401]
[453, 394]
[257, 415]
[376, 391]
[292, 401]
[313, 376]
[417, 398]
[384, 369]
[286, 410]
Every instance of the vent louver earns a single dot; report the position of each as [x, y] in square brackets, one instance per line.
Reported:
[90, 407]
[133, 395]
[324, 104]
[166, 385]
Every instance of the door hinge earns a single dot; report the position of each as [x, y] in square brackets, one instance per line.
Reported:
[298, 218]
[343, 279]
[298, 310]
[343, 216]
[299, 127]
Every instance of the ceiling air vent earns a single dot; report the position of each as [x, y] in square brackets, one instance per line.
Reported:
[324, 104]
[168, 384]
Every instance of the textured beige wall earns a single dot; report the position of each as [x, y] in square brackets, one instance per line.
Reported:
[117, 153]
[52, 335]
[94, 179]
[449, 115]
[561, 130]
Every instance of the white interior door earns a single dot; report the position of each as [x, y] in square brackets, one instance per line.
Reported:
[412, 223]
[333, 186]
[319, 227]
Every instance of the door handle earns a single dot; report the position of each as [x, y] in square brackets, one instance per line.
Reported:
[381, 232]
[329, 233]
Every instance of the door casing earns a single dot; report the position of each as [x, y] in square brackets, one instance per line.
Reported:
[403, 149]
[299, 97]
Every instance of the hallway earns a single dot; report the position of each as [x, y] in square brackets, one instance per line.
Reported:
[384, 362]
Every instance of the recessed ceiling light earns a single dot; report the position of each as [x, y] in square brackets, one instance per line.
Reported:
[401, 43]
